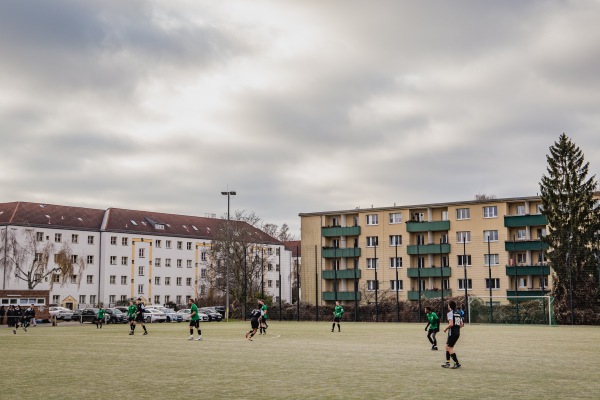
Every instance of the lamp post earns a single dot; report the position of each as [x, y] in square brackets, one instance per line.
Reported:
[228, 193]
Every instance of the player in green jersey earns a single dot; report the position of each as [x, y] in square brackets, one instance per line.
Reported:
[131, 310]
[100, 317]
[338, 311]
[263, 317]
[194, 320]
[434, 327]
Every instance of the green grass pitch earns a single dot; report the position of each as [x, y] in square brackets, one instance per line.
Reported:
[298, 360]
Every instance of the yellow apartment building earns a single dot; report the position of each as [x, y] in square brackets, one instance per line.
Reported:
[424, 251]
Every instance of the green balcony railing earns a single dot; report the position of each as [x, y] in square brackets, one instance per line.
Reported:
[342, 296]
[428, 294]
[428, 249]
[526, 293]
[332, 252]
[523, 270]
[427, 226]
[335, 231]
[523, 245]
[513, 221]
[428, 272]
[341, 274]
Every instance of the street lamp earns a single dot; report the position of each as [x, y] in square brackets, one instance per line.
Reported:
[228, 194]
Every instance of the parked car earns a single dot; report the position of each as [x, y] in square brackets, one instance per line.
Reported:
[61, 313]
[220, 310]
[85, 315]
[124, 310]
[153, 315]
[115, 316]
[172, 316]
[213, 315]
[186, 313]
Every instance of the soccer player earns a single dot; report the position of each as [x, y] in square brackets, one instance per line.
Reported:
[194, 320]
[434, 327]
[454, 324]
[100, 317]
[338, 311]
[139, 315]
[254, 316]
[263, 317]
[131, 311]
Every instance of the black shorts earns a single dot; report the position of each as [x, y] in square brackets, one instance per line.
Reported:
[131, 319]
[453, 337]
[254, 323]
[139, 318]
[436, 330]
[195, 324]
[336, 319]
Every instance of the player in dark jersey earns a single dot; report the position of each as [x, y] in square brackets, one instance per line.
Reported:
[455, 322]
[139, 315]
[131, 310]
[263, 317]
[254, 317]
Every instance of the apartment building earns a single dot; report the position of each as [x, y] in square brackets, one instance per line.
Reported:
[427, 250]
[128, 253]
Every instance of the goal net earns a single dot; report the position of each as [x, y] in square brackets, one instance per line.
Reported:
[512, 310]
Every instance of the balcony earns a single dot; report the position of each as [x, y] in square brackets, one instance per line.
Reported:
[433, 248]
[341, 274]
[342, 296]
[335, 231]
[513, 221]
[428, 294]
[525, 270]
[526, 293]
[427, 226]
[334, 252]
[523, 245]
[428, 272]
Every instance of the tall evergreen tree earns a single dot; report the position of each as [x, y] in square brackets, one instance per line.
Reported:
[573, 223]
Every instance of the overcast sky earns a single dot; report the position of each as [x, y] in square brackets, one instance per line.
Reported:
[299, 106]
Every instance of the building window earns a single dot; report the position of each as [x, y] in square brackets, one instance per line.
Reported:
[203, 256]
[395, 262]
[74, 258]
[167, 298]
[90, 279]
[372, 219]
[395, 240]
[492, 236]
[521, 210]
[55, 299]
[421, 262]
[178, 299]
[543, 282]
[463, 213]
[277, 284]
[167, 262]
[140, 288]
[168, 244]
[269, 267]
[141, 270]
[82, 299]
[539, 208]
[371, 285]
[157, 262]
[113, 260]
[55, 278]
[463, 237]
[112, 279]
[372, 263]
[277, 267]
[203, 273]
[75, 239]
[397, 284]
[521, 234]
[420, 240]
[90, 240]
[461, 284]
[179, 245]
[113, 240]
[269, 251]
[123, 297]
[395, 218]
[179, 263]
[90, 259]
[490, 212]
[157, 280]
[461, 259]
[269, 283]
[124, 241]
[189, 245]
[58, 237]
[541, 233]
[445, 215]
[112, 299]
[167, 281]
[178, 281]
[142, 253]
[123, 280]
[372, 241]
[188, 263]
[188, 281]
[494, 283]
[39, 236]
[491, 259]
[522, 283]
[157, 243]
[124, 260]
[93, 299]
[73, 278]
[157, 299]
[277, 251]
[38, 257]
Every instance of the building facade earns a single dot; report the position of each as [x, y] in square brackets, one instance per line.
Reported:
[426, 251]
[118, 254]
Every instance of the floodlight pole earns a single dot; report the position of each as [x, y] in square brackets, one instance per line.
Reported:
[396, 266]
[490, 280]
[228, 193]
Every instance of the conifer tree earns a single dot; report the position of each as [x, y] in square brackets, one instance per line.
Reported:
[573, 215]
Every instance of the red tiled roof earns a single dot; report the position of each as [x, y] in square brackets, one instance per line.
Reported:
[295, 246]
[39, 214]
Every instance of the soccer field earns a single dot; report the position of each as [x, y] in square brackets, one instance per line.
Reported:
[298, 360]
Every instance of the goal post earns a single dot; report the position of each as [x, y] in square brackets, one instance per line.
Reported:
[512, 310]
